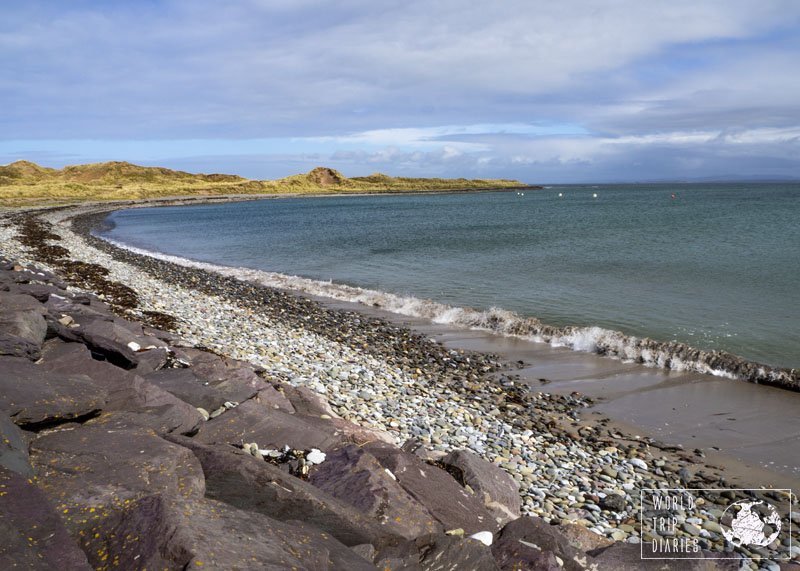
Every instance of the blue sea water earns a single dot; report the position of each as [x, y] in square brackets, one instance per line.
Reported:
[713, 265]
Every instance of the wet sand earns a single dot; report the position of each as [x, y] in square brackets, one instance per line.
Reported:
[753, 431]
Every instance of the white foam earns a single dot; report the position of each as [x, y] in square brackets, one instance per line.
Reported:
[606, 342]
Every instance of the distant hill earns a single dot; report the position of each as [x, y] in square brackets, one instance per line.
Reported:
[24, 182]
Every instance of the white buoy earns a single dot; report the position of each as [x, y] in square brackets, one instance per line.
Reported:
[594, 195]
[560, 194]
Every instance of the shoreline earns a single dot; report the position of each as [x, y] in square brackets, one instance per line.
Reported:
[668, 355]
[552, 417]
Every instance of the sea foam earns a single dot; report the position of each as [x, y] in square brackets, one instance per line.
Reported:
[667, 355]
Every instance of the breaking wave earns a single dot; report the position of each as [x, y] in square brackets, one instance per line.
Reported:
[668, 355]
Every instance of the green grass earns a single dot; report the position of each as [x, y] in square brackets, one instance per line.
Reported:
[27, 184]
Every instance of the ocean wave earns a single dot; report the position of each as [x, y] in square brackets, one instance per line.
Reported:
[667, 355]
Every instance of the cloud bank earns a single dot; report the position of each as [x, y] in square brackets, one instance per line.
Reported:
[543, 91]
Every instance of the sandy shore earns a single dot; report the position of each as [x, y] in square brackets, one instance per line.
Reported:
[560, 446]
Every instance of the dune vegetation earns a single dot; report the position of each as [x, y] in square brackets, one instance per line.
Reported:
[25, 183]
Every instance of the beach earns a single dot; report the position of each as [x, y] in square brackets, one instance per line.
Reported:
[590, 429]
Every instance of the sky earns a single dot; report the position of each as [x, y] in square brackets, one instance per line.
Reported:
[541, 91]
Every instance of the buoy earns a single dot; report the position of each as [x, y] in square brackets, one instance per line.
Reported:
[560, 194]
[594, 195]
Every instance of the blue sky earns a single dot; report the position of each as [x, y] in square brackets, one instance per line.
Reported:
[568, 91]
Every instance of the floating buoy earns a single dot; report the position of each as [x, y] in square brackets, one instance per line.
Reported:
[560, 194]
[594, 195]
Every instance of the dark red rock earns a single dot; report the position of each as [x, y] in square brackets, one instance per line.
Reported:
[22, 326]
[522, 543]
[628, 557]
[305, 401]
[248, 483]
[145, 403]
[356, 477]
[499, 491]
[442, 496]
[178, 533]
[32, 535]
[13, 448]
[252, 422]
[115, 339]
[33, 396]
[210, 395]
[99, 466]
[438, 552]
[274, 399]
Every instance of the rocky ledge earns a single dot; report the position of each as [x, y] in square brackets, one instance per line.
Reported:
[125, 445]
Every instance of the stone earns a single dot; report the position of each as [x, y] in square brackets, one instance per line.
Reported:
[110, 338]
[22, 326]
[142, 402]
[171, 532]
[582, 538]
[435, 489]
[102, 465]
[272, 398]
[437, 552]
[628, 557]
[613, 502]
[33, 536]
[354, 476]
[185, 385]
[521, 543]
[13, 448]
[305, 401]
[237, 478]
[35, 397]
[499, 491]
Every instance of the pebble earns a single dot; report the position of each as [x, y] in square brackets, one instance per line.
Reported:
[484, 537]
[447, 403]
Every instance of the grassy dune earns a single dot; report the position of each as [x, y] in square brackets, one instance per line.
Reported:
[24, 183]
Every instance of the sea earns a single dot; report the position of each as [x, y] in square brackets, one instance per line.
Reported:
[714, 266]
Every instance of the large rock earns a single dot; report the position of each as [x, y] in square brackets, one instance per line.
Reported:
[356, 477]
[215, 368]
[178, 533]
[252, 422]
[305, 401]
[35, 397]
[498, 489]
[32, 535]
[88, 469]
[115, 339]
[22, 326]
[145, 403]
[187, 386]
[437, 552]
[628, 557]
[13, 448]
[245, 482]
[526, 542]
[442, 496]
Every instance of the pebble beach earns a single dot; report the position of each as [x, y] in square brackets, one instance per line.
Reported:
[382, 376]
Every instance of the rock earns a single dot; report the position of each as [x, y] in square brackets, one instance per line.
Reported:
[499, 491]
[237, 478]
[272, 398]
[439, 552]
[33, 536]
[105, 464]
[269, 428]
[315, 456]
[306, 401]
[185, 385]
[143, 403]
[163, 532]
[13, 448]
[638, 462]
[35, 397]
[522, 543]
[216, 369]
[111, 338]
[435, 489]
[22, 326]
[354, 476]
[582, 538]
[150, 360]
[613, 502]
[628, 557]
[484, 537]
